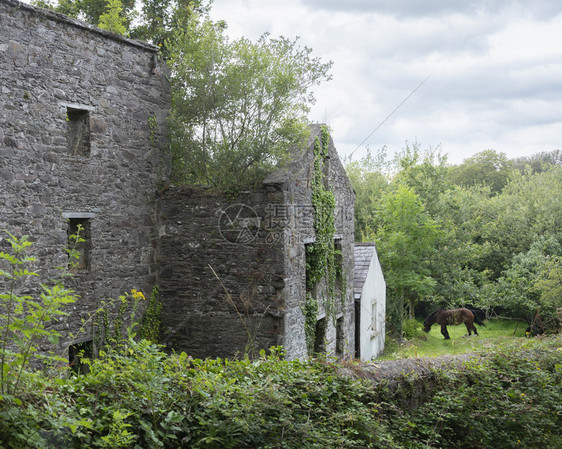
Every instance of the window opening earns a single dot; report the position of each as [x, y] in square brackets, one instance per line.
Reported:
[78, 131]
[79, 243]
[373, 318]
[340, 339]
[320, 336]
[77, 353]
[339, 263]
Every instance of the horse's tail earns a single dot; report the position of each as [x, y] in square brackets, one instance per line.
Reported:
[476, 319]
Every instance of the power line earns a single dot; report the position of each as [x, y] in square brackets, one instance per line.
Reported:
[389, 115]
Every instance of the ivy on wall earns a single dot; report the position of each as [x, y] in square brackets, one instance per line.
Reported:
[321, 256]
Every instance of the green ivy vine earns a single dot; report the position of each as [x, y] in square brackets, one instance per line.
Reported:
[321, 256]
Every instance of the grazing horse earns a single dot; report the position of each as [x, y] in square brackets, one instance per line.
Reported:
[452, 317]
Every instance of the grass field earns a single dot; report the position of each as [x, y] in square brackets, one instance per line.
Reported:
[433, 344]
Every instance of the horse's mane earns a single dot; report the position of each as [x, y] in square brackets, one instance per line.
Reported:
[432, 315]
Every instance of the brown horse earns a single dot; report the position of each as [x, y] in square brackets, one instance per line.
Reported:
[450, 317]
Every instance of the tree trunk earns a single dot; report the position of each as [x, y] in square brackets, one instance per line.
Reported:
[401, 316]
[412, 307]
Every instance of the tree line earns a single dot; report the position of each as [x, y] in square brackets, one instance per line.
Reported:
[485, 233]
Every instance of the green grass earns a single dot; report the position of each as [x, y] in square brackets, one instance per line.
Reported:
[496, 332]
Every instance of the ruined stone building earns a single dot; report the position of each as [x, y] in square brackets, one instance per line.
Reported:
[82, 142]
[234, 272]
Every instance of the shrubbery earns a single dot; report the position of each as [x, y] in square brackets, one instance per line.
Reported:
[135, 396]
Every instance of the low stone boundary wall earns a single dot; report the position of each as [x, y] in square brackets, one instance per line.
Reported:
[409, 381]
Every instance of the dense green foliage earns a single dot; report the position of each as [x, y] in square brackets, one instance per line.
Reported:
[496, 242]
[509, 398]
[238, 107]
[153, 21]
[112, 18]
[135, 396]
[26, 320]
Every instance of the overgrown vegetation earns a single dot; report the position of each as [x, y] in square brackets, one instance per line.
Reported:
[238, 107]
[484, 233]
[26, 320]
[321, 256]
[136, 396]
[133, 395]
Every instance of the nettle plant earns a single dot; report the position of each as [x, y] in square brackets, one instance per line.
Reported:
[26, 320]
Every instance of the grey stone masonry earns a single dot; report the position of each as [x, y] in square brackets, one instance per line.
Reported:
[254, 295]
[82, 116]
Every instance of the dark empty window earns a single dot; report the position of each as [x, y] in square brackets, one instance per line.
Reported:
[320, 336]
[77, 353]
[340, 338]
[79, 243]
[78, 131]
[338, 260]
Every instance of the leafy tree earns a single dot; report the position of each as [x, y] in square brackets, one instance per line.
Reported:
[160, 19]
[405, 244]
[237, 107]
[425, 172]
[92, 10]
[538, 162]
[370, 184]
[488, 168]
[153, 21]
[112, 19]
[534, 282]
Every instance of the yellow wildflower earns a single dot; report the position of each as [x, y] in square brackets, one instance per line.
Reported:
[136, 294]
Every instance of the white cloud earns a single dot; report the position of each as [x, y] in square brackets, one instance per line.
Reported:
[495, 69]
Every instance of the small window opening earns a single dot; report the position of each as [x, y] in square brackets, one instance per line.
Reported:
[373, 318]
[79, 243]
[326, 172]
[320, 336]
[340, 338]
[308, 251]
[77, 353]
[78, 131]
[339, 263]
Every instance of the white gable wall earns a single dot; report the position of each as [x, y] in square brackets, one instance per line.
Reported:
[373, 311]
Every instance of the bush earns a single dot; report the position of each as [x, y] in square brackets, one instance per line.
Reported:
[412, 329]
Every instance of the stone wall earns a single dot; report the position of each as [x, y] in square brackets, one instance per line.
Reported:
[221, 283]
[81, 119]
[410, 382]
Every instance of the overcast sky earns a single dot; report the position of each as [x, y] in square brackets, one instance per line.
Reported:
[494, 68]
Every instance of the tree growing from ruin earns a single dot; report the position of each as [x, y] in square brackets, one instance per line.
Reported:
[112, 19]
[237, 106]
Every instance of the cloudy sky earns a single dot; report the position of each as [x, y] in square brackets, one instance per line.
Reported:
[494, 68]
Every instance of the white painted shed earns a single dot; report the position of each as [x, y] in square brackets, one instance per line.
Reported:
[370, 302]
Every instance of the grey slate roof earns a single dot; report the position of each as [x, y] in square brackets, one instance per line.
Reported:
[363, 253]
